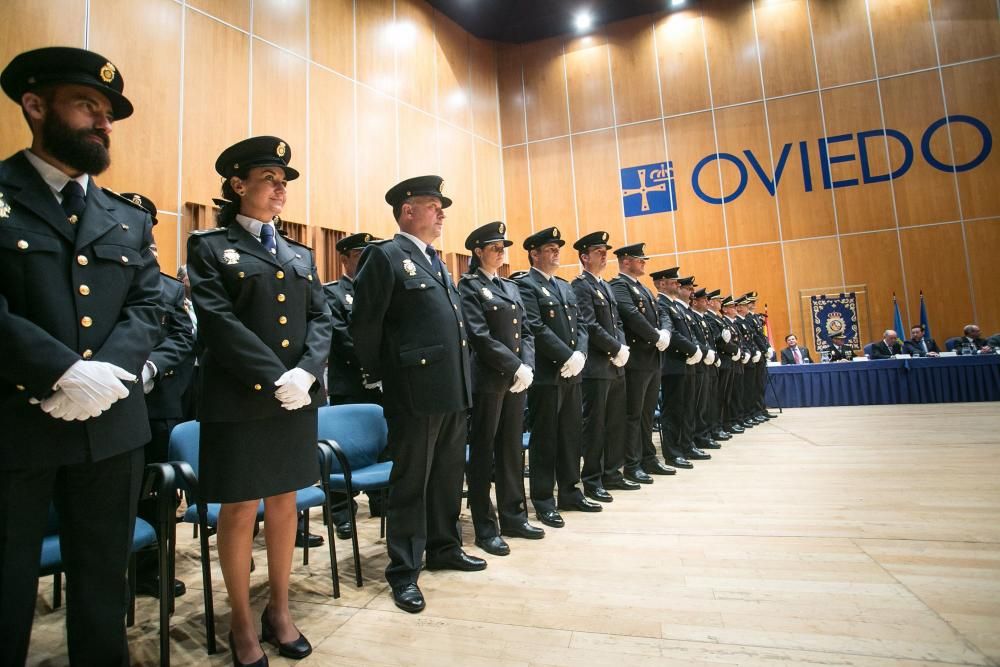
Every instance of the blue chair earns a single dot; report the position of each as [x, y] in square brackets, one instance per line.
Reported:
[868, 350]
[158, 482]
[352, 438]
[952, 343]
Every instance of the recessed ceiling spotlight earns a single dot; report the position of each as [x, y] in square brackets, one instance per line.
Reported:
[583, 20]
[677, 3]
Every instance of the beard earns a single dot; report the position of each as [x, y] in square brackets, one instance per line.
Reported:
[74, 147]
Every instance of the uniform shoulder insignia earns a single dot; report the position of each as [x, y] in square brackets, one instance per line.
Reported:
[203, 232]
[562, 279]
[379, 242]
[167, 275]
[332, 283]
[468, 276]
[118, 197]
[292, 241]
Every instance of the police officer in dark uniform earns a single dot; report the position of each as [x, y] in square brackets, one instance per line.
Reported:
[839, 351]
[677, 371]
[704, 372]
[503, 357]
[603, 374]
[748, 390]
[726, 349]
[640, 322]
[760, 413]
[79, 315]
[554, 400]
[409, 335]
[165, 377]
[733, 373]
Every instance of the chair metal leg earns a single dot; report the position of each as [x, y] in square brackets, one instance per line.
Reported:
[206, 579]
[304, 518]
[384, 493]
[334, 570]
[57, 590]
[130, 615]
[354, 532]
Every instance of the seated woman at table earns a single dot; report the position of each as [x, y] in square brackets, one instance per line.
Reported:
[839, 351]
[888, 347]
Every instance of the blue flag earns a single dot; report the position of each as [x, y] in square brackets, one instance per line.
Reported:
[923, 317]
[897, 321]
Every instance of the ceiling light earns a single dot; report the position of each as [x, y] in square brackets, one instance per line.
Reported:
[583, 20]
[677, 3]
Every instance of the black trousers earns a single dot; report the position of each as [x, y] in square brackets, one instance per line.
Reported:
[761, 386]
[696, 412]
[342, 511]
[678, 394]
[603, 427]
[712, 402]
[428, 455]
[726, 411]
[554, 447]
[496, 450]
[641, 391]
[748, 394]
[96, 503]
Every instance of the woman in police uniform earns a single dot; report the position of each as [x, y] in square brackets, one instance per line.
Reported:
[503, 355]
[265, 328]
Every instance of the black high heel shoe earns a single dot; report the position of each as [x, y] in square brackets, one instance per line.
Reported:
[262, 662]
[296, 650]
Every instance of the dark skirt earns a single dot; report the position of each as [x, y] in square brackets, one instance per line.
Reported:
[258, 458]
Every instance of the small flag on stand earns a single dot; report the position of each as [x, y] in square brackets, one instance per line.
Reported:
[923, 317]
[897, 321]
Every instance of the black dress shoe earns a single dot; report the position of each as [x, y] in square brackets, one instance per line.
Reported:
[314, 540]
[735, 429]
[261, 662]
[599, 494]
[456, 560]
[721, 435]
[525, 530]
[150, 587]
[710, 444]
[749, 423]
[698, 455]
[344, 530]
[639, 475]
[770, 415]
[296, 649]
[623, 485]
[582, 505]
[408, 598]
[494, 545]
[681, 462]
[551, 518]
[657, 468]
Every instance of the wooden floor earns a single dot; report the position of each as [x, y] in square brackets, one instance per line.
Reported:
[840, 536]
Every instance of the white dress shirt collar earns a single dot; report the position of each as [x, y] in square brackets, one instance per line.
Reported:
[54, 177]
[252, 225]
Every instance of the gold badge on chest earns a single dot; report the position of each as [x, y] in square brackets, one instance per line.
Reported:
[409, 267]
[230, 256]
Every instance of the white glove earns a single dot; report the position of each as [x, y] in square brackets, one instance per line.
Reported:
[373, 385]
[727, 335]
[621, 358]
[736, 355]
[694, 358]
[664, 341]
[718, 362]
[573, 365]
[148, 375]
[756, 356]
[59, 406]
[293, 388]
[94, 385]
[523, 377]
[770, 353]
[709, 358]
[746, 357]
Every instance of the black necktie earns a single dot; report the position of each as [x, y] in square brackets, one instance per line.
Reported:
[496, 281]
[73, 201]
[267, 238]
[435, 261]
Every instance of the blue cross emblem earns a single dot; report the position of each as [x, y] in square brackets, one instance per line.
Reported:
[648, 189]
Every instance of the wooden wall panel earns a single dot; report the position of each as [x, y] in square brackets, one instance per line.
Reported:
[418, 147]
[377, 36]
[153, 86]
[282, 22]
[377, 169]
[415, 54]
[699, 224]
[843, 41]
[165, 236]
[967, 29]
[786, 50]
[598, 195]
[545, 89]
[483, 57]
[233, 12]
[859, 208]
[814, 263]
[752, 217]
[216, 100]
[331, 34]
[749, 273]
[934, 261]
[680, 48]
[552, 186]
[452, 66]
[588, 83]
[873, 260]
[511, 91]
[279, 109]
[517, 201]
[974, 89]
[903, 37]
[633, 70]
[331, 151]
[709, 267]
[923, 194]
[455, 167]
[804, 213]
[732, 52]
[643, 143]
[983, 238]
[489, 196]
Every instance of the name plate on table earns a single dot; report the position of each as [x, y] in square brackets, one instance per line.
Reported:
[774, 363]
[950, 353]
[861, 358]
[903, 356]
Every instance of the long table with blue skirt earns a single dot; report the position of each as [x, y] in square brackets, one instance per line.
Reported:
[886, 382]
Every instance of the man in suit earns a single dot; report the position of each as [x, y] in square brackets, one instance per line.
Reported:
[888, 347]
[410, 339]
[677, 372]
[920, 345]
[554, 399]
[839, 351]
[640, 322]
[79, 315]
[794, 353]
[972, 339]
[603, 374]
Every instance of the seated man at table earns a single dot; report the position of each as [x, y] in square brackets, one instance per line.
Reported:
[972, 338]
[793, 354]
[920, 345]
[839, 351]
[888, 347]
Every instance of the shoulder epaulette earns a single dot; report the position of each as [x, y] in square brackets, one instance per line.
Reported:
[562, 279]
[167, 275]
[292, 241]
[468, 276]
[128, 201]
[379, 242]
[203, 232]
[330, 284]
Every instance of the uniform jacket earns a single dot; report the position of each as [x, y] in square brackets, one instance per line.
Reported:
[344, 369]
[738, 333]
[640, 322]
[599, 316]
[788, 357]
[173, 355]
[259, 315]
[725, 350]
[52, 276]
[500, 338]
[683, 343]
[409, 331]
[704, 337]
[882, 351]
[841, 353]
[912, 347]
[552, 314]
